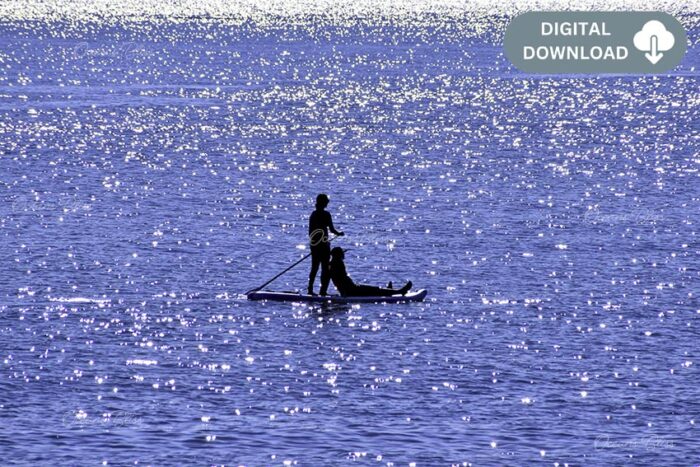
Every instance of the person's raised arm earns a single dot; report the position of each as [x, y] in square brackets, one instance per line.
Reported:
[332, 229]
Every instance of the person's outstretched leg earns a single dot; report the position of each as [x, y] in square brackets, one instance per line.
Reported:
[362, 290]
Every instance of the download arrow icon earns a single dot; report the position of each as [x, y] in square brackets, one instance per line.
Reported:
[654, 39]
[654, 56]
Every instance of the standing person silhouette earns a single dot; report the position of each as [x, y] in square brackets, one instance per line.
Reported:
[320, 223]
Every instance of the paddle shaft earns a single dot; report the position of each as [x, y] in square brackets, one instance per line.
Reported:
[283, 272]
[278, 275]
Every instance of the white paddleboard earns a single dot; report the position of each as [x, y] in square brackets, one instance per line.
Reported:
[417, 296]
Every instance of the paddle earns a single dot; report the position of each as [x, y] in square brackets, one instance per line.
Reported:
[283, 272]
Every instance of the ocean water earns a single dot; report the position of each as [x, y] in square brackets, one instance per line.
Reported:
[153, 170]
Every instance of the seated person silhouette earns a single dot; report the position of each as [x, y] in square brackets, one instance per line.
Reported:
[348, 288]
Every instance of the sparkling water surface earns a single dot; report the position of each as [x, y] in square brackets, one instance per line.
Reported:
[151, 172]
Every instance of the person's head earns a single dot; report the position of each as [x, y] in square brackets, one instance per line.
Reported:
[322, 201]
[337, 253]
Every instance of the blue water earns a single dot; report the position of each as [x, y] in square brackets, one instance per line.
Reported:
[150, 173]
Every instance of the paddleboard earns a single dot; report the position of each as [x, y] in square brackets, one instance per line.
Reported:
[417, 296]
